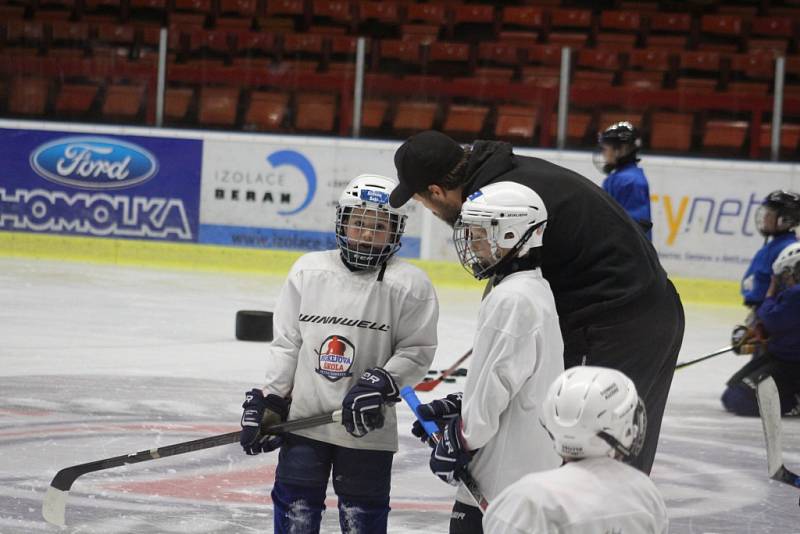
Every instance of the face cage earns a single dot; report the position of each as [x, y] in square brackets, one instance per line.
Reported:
[466, 244]
[639, 421]
[365, 255]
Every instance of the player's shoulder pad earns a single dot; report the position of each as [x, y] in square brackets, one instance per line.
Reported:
[411, 278]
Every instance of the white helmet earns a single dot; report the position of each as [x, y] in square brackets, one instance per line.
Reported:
[789, 258]
[368, 229]
[594, 411]
[504, 219]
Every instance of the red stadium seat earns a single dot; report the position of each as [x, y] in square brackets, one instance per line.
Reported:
[577, 126]
[464, 121]
[516, 123]
[338, 13]
[602, 60]
[748, 88]
[75, 99]
[414, 116]
[266, 111]
[619, 30]
[449, 59]
[473, 21]
[669, 30]
[303, 46]
[28, 96]
[671, 131]
[719, 134]
[373, 113]
[643, 79]
[651, 59]
[123, 101]
[522, 18]
[378, 19]
[218, 106]
[315, 112]
[790, 137]
[493, 53]
[398, 56]
[177, 102]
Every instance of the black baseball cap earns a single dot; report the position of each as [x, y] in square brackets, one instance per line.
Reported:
[424, 159]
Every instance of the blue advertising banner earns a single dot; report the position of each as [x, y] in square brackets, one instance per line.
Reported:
[100, 184]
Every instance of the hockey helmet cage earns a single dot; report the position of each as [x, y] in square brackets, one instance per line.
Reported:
[501, 220]
[368, 229]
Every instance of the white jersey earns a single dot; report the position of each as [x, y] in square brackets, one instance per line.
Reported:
[331, 324]
[517, 353]
[591, 496]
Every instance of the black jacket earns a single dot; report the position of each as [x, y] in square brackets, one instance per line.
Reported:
[595, 257]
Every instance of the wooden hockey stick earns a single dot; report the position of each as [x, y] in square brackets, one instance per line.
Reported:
[433, 431]
[769, 406]
[707, 356]
[430, 384]
[55, 500]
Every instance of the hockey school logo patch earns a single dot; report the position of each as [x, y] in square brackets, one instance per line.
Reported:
[336, 355]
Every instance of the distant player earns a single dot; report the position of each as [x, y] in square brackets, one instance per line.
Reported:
[595, 418]
[777, 344]
[352, 326]
[776, 220]
[618, 157]
[517, 352]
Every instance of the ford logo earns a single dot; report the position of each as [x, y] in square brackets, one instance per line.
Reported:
[93, 163]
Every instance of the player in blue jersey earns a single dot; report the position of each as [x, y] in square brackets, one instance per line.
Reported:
[777, 352]
[617, 156]
[776, 220]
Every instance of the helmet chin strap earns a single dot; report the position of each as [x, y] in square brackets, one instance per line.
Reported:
[511, 263]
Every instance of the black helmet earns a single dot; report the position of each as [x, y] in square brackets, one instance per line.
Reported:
[620, 135]
[786, 206]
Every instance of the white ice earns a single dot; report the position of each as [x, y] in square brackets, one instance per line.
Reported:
[98, 361]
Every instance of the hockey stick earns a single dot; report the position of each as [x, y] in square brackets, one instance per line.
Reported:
[433, 431]
[56, 498]
[769, 406]
[430, 384]
[707, 356]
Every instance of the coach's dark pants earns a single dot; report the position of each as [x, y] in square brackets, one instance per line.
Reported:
[641, 339]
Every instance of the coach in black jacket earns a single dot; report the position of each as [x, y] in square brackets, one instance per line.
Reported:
[616, 305]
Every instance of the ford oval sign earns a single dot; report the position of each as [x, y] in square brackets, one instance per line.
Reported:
[93, 163]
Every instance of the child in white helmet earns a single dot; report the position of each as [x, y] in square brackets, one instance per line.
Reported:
[352, 326]
[517, 352]
[595, 419]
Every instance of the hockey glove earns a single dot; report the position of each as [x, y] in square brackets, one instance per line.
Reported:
[746, 340]
[362, 407]
[440, 411]
[450, 457]
[260, 412]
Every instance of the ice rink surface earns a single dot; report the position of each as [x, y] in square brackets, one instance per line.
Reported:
[98, 361]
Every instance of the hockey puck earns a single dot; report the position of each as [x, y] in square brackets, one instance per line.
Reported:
[427, 379]
[253, 325]
[449, 380]
[461, 371]
[433, 372]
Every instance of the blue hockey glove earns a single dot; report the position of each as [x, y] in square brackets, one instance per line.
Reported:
[362, 407]
[450, 457]
[259, 412]
[440, 411]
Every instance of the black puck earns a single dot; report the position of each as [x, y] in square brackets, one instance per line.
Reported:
[433, 372]
[252, 325]
[449, 380]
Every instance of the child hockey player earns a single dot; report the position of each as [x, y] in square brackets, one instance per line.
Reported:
[595, 419]
[778, 352]
[517, 353]
[352, 326]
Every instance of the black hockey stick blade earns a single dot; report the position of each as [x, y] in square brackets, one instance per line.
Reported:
[55, 500]
[702, 358]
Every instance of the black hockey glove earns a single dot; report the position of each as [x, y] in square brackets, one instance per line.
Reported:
[440, 411]
[450, 457]
[259, 412]
[362, 407]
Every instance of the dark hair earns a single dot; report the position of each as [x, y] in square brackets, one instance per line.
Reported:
[457, 176]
